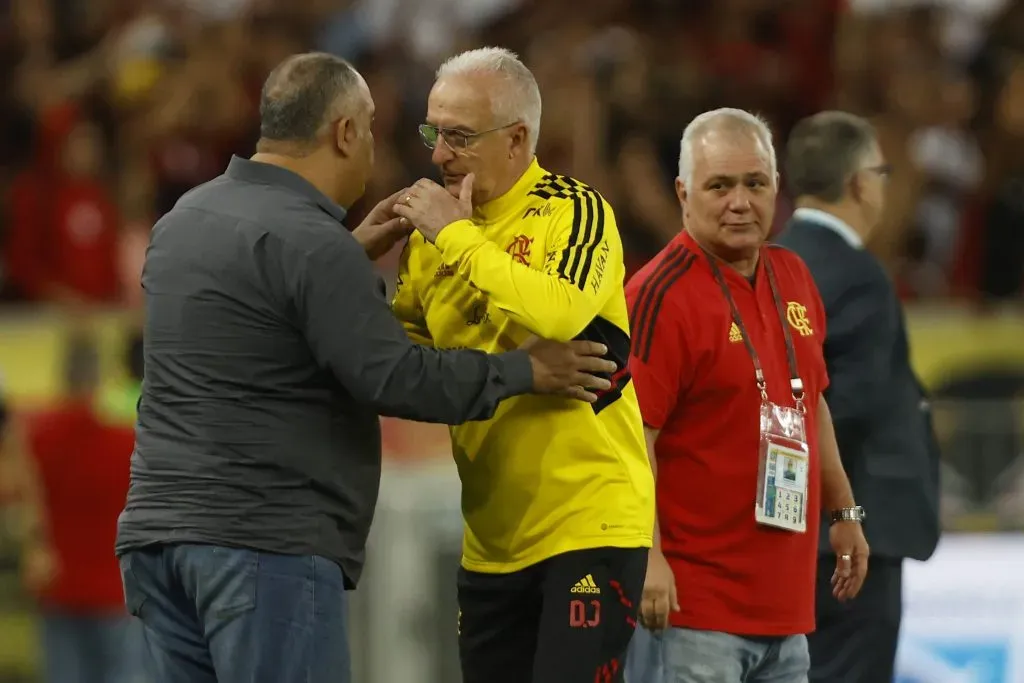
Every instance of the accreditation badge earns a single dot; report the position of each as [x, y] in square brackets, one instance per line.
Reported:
[783, 469]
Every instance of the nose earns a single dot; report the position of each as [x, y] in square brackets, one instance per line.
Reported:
[739, 199]
[442, 153]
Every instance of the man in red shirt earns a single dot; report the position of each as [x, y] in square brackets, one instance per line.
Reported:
[62, 242]
[727, 361]
[73, 482]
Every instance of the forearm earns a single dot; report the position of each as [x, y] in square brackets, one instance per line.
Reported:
[401, 378]
[448, 387]
[651, 438]
[544, 303]
[836, 492]
[352, 331]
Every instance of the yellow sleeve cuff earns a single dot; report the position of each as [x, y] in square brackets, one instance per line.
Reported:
[457, 239]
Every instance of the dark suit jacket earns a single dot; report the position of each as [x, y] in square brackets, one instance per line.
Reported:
[882, 420]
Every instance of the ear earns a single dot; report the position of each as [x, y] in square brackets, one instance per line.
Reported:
[856, 187]
[345, 136]
[519, 139]
[681, 191]
[682, 195]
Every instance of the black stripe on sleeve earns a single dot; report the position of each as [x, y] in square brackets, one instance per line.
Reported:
[586, 205]
[577, 215]
[592, 246]
[651, 296]
[587, 232]
[637, 314]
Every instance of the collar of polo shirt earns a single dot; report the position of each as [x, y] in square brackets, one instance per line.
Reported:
[496, 208]
[732, 276]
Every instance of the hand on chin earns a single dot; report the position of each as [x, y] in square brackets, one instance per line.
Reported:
[454, 185]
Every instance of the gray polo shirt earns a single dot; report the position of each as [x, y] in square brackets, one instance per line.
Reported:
[270, 352]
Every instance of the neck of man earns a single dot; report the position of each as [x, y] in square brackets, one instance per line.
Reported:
[745, 265]
[309, 167]
[517, 167]
[842, 210]
[743, 262]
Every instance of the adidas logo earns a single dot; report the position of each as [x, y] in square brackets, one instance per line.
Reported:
[444, 270]
[586, 585]
[734, 334]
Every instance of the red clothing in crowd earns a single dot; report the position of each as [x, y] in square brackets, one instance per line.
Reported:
[63, 232]
[695, 382]
[83, 467]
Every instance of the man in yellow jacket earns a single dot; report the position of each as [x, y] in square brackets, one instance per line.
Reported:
[558, 495]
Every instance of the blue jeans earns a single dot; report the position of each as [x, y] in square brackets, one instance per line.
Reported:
[225, 615]
[86, 648]
[680, 655]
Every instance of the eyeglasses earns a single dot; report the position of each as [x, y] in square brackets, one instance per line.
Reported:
[454, 139]
[884, 171]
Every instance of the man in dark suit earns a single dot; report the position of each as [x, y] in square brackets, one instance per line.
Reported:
[836, 173]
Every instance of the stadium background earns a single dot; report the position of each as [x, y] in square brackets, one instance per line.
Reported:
[112, 108]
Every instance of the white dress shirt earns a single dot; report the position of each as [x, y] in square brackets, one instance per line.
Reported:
[827, 220]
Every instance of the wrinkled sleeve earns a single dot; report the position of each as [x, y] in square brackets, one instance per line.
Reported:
[659, 358]
[351, 330]
[582, 268]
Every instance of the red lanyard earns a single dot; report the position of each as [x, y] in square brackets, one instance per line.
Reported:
[796, 384]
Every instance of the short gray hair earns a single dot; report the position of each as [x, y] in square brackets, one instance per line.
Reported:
[302, 93]
[823, 152]
[729, 118]
[518, 99]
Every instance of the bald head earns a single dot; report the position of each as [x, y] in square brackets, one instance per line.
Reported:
[303, 94]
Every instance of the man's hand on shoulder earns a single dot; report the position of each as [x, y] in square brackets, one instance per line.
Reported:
[569, 369]
[382, 228]
[430, 208]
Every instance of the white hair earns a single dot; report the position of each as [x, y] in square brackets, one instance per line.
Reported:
[726, 118]
[518, 100]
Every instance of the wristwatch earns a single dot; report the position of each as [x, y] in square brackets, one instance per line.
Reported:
[854, 514]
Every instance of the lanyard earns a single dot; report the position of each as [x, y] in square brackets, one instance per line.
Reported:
[796, 384]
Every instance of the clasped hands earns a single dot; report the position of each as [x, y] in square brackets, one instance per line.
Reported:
[426, 206]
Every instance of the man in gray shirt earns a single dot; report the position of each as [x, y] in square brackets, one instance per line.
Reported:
[270, 352]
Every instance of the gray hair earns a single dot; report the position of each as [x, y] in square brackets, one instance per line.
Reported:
[728, 118]
[518, 98]
[824, 151]
[302, 93]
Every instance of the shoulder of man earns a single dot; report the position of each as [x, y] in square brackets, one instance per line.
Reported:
[784, 256]
[812, 251]
[660, 279]
[288, 216]
[555, 193]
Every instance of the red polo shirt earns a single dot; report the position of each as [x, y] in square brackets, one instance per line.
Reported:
[695, 381]
[83, 466]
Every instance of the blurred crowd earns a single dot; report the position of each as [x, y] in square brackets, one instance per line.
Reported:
[114, 108]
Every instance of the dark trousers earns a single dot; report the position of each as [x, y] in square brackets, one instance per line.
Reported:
[856, 642]
[224, 615]
[567, 619]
